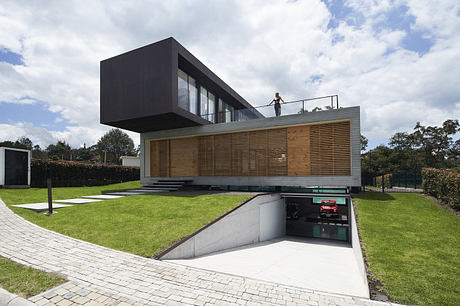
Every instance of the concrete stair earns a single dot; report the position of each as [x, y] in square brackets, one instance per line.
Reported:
[166, 185]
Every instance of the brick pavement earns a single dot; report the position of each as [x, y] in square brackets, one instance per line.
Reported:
[102, 276]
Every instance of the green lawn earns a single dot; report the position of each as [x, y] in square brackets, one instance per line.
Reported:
[413, 247]
[35, 195]
[25, 281]
[143, 224]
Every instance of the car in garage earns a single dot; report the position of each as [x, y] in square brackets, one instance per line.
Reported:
[328, 209]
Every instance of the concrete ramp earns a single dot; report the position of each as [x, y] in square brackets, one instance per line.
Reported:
[259, 219]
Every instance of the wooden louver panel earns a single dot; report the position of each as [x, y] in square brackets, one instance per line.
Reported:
[159, 158]
[184, 157]
[154, 159]
[277, 152]
[298, 148]
[222, 155]
[258, 153]
[163, 152]
[342, 149]
[240, 154]
[206, 155]
[330, 149]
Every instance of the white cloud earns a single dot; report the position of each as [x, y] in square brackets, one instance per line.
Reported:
[257, 47]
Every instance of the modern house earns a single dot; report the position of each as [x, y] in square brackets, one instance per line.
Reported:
[195, 127]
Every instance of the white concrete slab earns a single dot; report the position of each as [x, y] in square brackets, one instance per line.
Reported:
[103, 197]
[41, 206]
[77, 201]
[307, 263]
[125, 193]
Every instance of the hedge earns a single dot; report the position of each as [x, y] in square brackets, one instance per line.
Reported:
[442, 184]
[388, 180]
[77, 174]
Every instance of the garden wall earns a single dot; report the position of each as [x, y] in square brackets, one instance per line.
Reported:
[442, 184]
[76, 174]
[259, 219]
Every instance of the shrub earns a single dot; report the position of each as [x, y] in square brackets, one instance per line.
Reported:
[442, 184]
[388, 180]
[77, 174]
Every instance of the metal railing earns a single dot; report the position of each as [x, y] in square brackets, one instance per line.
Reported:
[287, 108]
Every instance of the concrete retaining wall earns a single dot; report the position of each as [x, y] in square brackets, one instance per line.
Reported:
[262, 218]
[357, 248]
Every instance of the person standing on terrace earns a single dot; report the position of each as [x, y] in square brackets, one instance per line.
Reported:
[277, 104]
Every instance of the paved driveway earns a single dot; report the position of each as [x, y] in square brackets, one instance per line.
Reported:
[98, 275]
[308, 263]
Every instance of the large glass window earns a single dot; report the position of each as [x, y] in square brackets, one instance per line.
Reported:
[211, 107]
[193, 94]
[228, 113]
[182, 90]
[204, 103]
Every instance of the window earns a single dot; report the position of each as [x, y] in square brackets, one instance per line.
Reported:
[228, 113]
[204, 103]
[182, 90]
[211, 107]
[187, 92]
[193, 94]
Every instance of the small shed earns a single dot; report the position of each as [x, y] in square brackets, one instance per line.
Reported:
[131, 161]
[14, 167]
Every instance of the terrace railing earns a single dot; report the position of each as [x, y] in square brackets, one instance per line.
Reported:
[287, 108]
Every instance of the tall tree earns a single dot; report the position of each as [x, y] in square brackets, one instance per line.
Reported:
[364, 143]
[61, 150]
[115, 144]
[435, 141]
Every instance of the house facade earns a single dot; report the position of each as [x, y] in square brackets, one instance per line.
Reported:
[194, 127]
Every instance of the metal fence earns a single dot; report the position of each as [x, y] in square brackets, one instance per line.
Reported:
[402, 181]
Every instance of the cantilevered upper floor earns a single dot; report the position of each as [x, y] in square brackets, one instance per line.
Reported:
[162, 86]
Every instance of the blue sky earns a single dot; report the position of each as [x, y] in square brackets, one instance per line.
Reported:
[397, 59]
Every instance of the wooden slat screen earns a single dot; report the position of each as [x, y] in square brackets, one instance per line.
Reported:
[277, 152]
[342, 149]
[319, 149]
[184, 157]
[298, 148]
[154, 159]
[222, 155]
[206, 155]
[163, 152]
[258, 153]
[330, 149]
[240, 154]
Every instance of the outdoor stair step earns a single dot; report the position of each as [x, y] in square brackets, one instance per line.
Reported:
[160, 186]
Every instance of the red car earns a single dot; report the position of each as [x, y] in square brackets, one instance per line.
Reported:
[328, 209]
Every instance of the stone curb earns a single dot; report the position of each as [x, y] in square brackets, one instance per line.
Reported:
[9, 299]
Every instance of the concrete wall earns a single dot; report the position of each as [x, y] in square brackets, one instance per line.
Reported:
[131, 161]
[351, 113]
[357, 247]
[260, 219]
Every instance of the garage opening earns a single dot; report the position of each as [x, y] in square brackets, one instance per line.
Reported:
[318, 215]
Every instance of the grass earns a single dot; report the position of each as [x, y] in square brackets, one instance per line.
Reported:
[35, 195]
[412, 246]
[143, 224]
[25, 281]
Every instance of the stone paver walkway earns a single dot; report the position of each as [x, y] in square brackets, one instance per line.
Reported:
[102, 276]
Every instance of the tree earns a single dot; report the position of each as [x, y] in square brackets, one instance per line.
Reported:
[38, 153]
[364, 143]
[24, 143]
[435, 142]
[115, 144]
[61, 150]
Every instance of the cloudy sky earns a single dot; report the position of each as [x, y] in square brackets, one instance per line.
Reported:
[398, 60]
